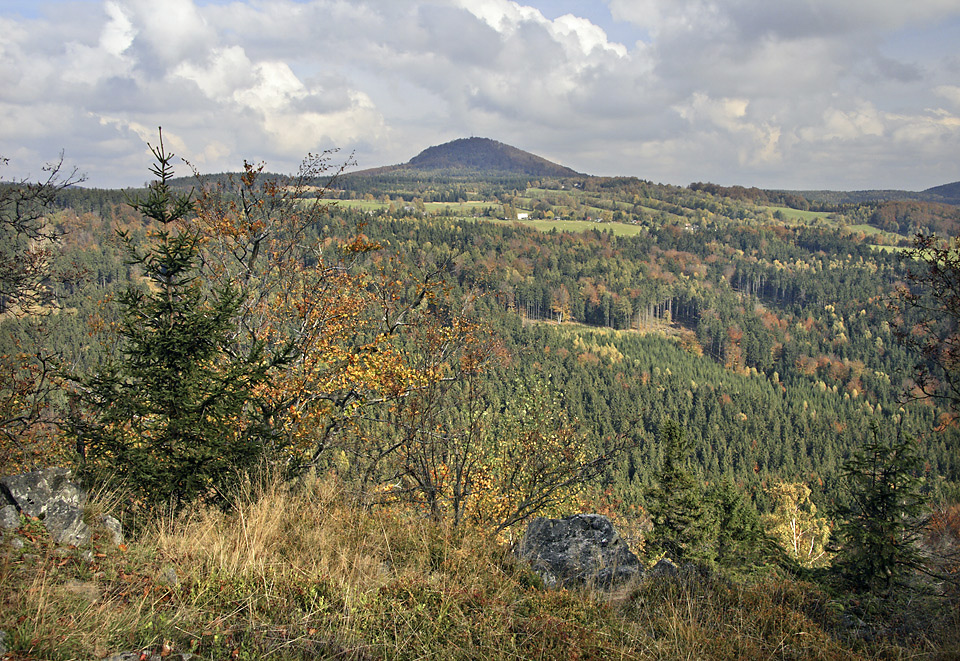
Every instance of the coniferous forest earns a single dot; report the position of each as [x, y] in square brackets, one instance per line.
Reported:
[759, 384]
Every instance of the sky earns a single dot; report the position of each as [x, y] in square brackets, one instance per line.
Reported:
[795, 94]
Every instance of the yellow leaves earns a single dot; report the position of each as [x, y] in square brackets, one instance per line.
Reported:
[795, 525]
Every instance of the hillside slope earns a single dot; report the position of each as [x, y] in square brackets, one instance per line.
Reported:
[949, 193]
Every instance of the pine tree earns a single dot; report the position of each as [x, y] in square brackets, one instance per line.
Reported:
[169, 416]
[682, 528]
[880, 528]
[740, 539]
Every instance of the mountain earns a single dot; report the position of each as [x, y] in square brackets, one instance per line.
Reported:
[478, 155]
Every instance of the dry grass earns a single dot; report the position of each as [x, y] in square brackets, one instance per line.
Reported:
[303, 573]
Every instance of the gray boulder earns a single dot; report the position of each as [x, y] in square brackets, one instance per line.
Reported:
[113, 527]
[50, 493]
[64, 522]
[579, 550]
[33, 492]
[9, 517]
[665, 567]
[147, 656]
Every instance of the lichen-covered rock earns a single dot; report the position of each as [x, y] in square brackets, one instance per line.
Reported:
[579, 550]
[9, 517]
[64, 522]
[113, 527]
[34, 492]
[665, 567]
[50, 493]
[126, 656]
[147, 656]
[168, 576]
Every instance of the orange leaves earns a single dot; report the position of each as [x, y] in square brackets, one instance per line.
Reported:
[349, 328]
[359, 245]
[28, 436]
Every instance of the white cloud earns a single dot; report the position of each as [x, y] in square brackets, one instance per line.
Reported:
[755, 142]
[852, 124]
[304, 131]
[276, 87]
[171, 31]
[928, 129]
[226, 70]
[724, 113]
[589, 37]
[578, 35]
[785, 94]
[118, 33]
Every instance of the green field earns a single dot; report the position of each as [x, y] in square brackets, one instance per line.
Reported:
[363, 205]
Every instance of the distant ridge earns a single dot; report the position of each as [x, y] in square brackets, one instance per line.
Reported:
[480, 156]
[945, 194]
[949, 193]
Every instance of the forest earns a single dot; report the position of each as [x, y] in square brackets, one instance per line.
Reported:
[711, 309]
[487, 347]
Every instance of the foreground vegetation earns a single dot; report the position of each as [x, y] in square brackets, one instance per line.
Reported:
[301, 573]
[729, 380]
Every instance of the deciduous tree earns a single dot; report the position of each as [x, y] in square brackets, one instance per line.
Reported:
[927, 316]
[795, 524]
[339, 307]
[28, 369]
[490, 458]
[27, 239]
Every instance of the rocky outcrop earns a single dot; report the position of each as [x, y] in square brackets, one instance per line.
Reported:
[33, 492]
[9, 517]
[51, 494]
[579, 550]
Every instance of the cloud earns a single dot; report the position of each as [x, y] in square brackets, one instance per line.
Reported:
[788, 19]
[837, 124]
[225, 71]
[756, 143]
[788, 94]
[118, 33]
[950, 92]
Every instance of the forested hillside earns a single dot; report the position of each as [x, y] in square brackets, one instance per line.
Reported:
[709, 326]
[699, 307]
[480, 349]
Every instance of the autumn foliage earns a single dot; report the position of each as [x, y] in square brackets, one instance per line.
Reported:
[362, 332]
[265, 338]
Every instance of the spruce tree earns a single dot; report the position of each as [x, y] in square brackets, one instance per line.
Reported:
[882, 523]
[171, 416]
[682, 527]
[740, 540]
